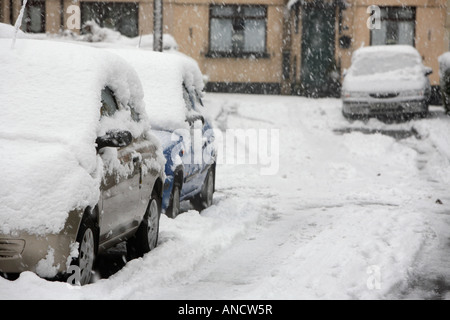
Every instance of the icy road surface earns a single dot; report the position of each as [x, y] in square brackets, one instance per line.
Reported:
[355, 211]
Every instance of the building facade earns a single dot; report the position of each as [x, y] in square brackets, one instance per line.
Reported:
[263, 46]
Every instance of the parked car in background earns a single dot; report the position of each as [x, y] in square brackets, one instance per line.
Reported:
[444, 77]
[173, 86]
[386, 81]
[81, 171]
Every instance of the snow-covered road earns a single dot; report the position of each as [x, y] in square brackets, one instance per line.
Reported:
[354, 211]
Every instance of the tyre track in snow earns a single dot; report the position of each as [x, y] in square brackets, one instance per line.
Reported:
[319, 246]
[429, 277]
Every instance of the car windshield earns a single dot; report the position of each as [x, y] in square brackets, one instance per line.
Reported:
[383, 63]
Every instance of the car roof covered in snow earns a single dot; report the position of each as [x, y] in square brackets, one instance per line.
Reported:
[386, 50]
[386, 68]
[50, 95]
[162, 76]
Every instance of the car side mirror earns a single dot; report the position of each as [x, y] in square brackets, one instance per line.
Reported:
[428, 71]
[114, 139]
[191, 119]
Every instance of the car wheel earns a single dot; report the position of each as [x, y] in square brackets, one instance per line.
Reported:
[146, 237]
[87, 250]
[175, 207]
[348, 116]
[205, 198]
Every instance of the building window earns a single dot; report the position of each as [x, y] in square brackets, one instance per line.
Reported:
[119, 16]
[397, 26]
[237, 31]
[34, 17]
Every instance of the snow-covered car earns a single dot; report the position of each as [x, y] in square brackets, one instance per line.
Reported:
[173, 85]
[81, 170]
[386, 81]
[7, 31]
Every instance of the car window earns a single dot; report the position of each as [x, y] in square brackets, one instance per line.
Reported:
[109, 102]
[383, 63]
[198, 100]
[135, 115]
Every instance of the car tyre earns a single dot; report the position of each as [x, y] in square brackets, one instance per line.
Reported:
[174, 208]
[205, 198]
[348, 117]
[146, 237]
[87, 239]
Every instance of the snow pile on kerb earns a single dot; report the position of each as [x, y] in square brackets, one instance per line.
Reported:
[96, 36]
[50, 95]
[385, 68]
[108, 36]
[7, 31]
[162, 76]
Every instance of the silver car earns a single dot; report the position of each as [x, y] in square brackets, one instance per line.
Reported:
[386, 81]
[80, 170]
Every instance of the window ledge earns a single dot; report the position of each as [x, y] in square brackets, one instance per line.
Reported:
[243, 55]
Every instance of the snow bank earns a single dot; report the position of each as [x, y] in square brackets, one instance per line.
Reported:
[50, 94]
[96, 36]
[385, 68]
[7, 31]
[108, 36]
[162, 76]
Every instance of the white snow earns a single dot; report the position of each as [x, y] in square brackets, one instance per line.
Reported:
[162, 77]
[351, 214]
[8, 31]
[105, 37]
[385, 68]
[49, 119]
[46, 267]
[444, 63]
[97, 37]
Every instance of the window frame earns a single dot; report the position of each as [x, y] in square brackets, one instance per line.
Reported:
[26, 24]
[238, 14]
[103, 6]
[390, 18]
[105, 112]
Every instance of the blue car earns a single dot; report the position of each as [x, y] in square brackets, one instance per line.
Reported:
[191, 161]
[173, 86]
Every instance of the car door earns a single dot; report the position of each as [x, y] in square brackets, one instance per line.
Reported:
[121, 205]
[191, 155]
[207, 138]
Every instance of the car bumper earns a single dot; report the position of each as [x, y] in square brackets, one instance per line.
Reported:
[46, 255]
[381, 108]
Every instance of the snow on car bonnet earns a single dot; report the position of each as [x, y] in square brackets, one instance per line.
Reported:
[162, 76]
[50, 95]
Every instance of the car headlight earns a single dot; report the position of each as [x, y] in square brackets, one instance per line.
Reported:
[353, 94]
[412, 93]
